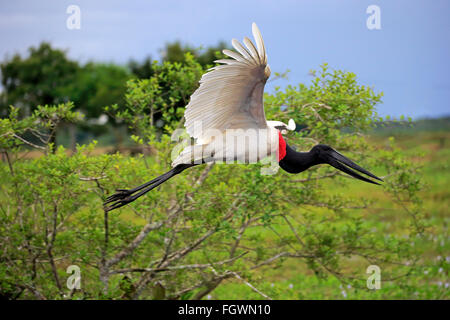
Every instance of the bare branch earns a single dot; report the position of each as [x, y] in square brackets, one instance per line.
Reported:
[180, 267]
[92, 178]
[28, 142]
[50, 241]
[251, 286]
[136, 242]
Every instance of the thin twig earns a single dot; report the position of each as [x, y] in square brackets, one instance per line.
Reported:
[179, 267]
[28, 142]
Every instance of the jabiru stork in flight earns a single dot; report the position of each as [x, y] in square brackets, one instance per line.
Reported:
[230, 97]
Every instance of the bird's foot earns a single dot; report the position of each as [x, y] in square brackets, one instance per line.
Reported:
[118, 199]
[118, 203]
[120, 194]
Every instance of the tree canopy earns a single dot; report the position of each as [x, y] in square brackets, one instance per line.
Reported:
[44, 77]
[47, 76]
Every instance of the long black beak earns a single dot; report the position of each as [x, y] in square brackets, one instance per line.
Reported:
[340, 162]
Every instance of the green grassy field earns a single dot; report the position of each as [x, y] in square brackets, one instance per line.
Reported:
[293, 280]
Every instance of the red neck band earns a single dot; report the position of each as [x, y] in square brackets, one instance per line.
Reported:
[281, 147]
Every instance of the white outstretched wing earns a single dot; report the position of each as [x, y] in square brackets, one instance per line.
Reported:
[230, 95]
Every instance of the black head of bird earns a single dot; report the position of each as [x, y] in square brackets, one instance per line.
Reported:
[296, 162]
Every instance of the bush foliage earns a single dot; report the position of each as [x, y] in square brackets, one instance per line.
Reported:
[212, 223]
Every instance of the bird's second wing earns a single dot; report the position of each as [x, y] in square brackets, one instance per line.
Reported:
[230, 95]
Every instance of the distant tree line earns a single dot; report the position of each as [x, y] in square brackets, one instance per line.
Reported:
[47, 76]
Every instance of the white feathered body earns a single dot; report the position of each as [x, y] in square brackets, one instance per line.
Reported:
[241, 146]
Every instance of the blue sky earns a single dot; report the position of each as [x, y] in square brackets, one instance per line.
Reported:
[408, 59]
